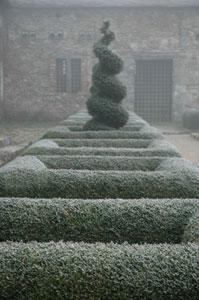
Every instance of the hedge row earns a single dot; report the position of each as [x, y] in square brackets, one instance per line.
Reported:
[98, 271]
[134, 221]
[84, 117]
[125, 128]
[118, 143]
[100, 162]
[144, 133]
[75, 127]
[167, 152]
[47, 183]
[191, 233]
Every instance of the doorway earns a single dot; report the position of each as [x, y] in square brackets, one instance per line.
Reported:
[154, 89]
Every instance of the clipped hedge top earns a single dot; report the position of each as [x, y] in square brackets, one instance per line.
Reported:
[24, 163]
[191, 233]
[155, 148]
[134, 221]
[100, 162]
[103, 134]
[118, 143]
[98, 271]
[48, 183]
[102, 151]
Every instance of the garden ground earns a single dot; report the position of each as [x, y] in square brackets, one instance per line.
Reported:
[183, 140]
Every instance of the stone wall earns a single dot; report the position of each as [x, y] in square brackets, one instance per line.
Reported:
[141, 33]
[1, 59]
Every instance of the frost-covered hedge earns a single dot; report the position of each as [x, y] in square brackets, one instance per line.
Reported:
[125, 128]
[145, 133]
[118, 143]
[98, 271]
[134, 124]
[82, 117]
[134, 221]
[155, 148]
[75, 127]
[191, 233]
[180, 182]
[102, 151]
[100, 162]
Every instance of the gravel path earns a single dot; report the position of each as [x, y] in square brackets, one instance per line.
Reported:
[187, 145]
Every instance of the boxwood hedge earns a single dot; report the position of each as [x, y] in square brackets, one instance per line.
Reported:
[75, 127]
[162, 152]
[100, 162]
[134, 221]
[48, 183]
[191, 233]
[98, 271]
[125, 128]
[84, 117]
[118, 143]
[103, 134]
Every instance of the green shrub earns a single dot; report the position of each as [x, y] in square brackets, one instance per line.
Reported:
[134, 120]
[191, 119]
[125, 128]
[98, 271]
[191, 233]
[117, 134]
[75, 128]
[155, 148]
[48, 183]
[118, 143]
[100, 162]
[79, 127]
[107, 92]
[102, 151]
[134, 221]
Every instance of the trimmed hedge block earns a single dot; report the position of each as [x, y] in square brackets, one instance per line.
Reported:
[125, 128]
[100, 162]
[155, 148]
[134, 123]
[191, 233]
[134, 221]
[103, 152]
[48, 183]
[118, 143]
[120, 134]
[97, 271]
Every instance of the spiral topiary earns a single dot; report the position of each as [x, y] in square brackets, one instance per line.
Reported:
[107, 92]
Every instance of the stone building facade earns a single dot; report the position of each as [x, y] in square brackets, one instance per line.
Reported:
[48, 61]
[1, 55]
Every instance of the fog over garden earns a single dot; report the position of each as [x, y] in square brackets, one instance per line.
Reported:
[99, 149]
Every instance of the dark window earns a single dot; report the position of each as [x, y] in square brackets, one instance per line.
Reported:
[28, 36]
[75, 75]
[68, 73]
[52, 36]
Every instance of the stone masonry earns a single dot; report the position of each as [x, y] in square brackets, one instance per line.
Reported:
[37, 36]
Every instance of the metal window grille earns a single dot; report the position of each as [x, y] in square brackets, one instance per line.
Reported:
[75, 75]
[68, 73]
[61, 72]
[1, 82]
[154, 89]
